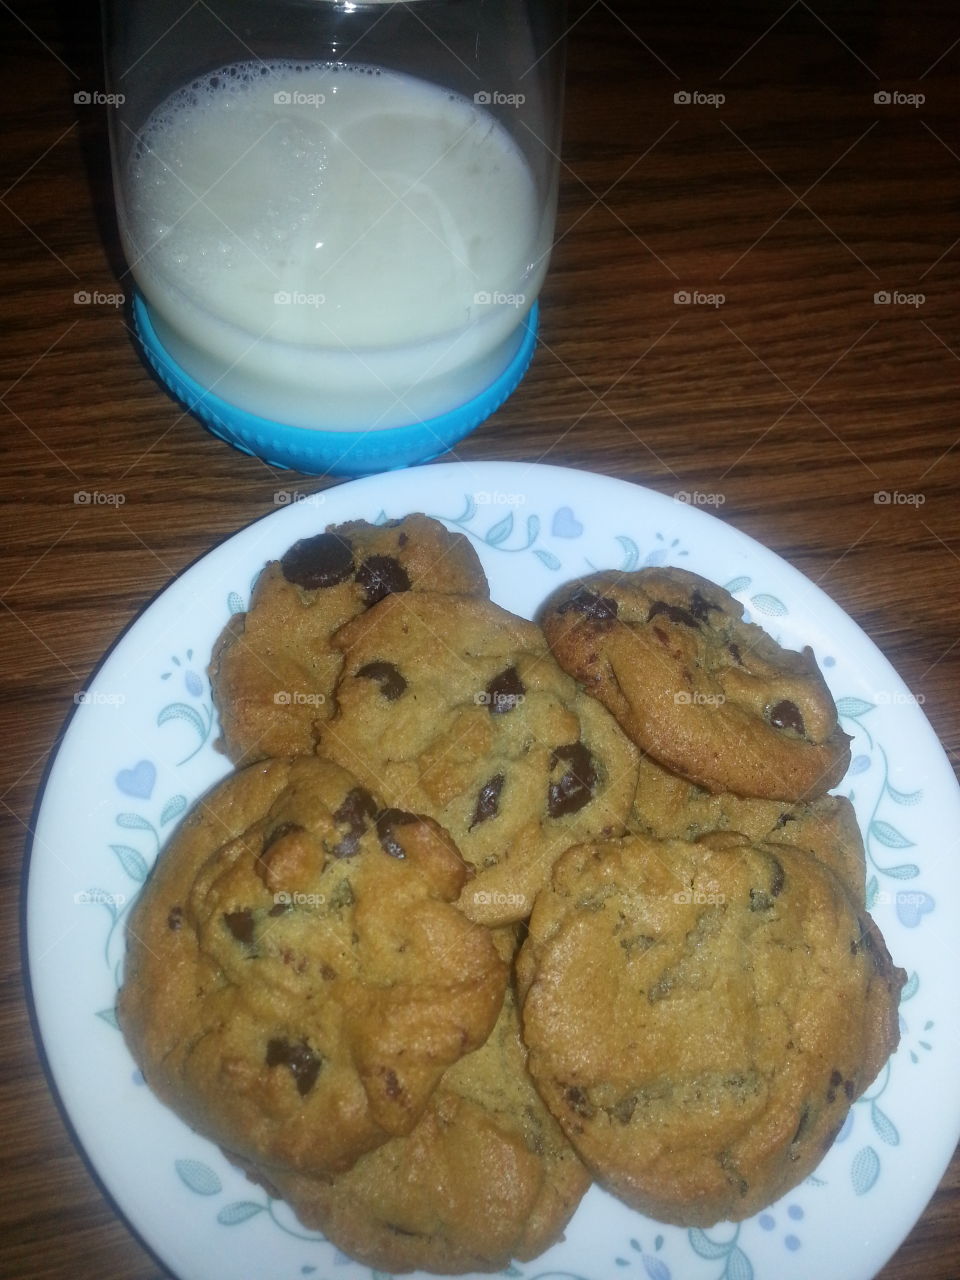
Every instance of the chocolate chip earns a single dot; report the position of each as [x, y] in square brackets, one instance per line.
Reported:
[505, 692]
[674, 612]
[357, 808]
[836, 1079]
[321, 561]
[734, 651]
[848, 1088]
[597, 608]
[700, 607]
[280, 909]
[575, 788]
[786, 715]
[624, 1109]
[778, 879]
[392, 684]
[488, 801]
[342, 896]
[578, 1101]
[304, 1064]
[278, 833]
[391, 1084]
[240, 924]
[382, 576]
[386, 821]
[175, 919]
[801, 1125]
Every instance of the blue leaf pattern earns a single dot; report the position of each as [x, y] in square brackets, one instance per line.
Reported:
[655, 1268]
[701, 1243]
[884, 1126]
[889, 835]
[198, 1177]
[132, 861]
[737, 584]
[548, 558]
[772, 607]
[739, 1266]
[865, 1170]
[500, 531]
[240, 1211]
[173, 809]
[854, 707]
[235, 603]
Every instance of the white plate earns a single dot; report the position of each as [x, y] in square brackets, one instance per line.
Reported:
[139, 751]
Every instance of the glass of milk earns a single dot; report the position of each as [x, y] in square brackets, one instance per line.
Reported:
[338, 216]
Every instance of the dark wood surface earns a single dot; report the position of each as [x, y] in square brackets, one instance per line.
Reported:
[797, 399]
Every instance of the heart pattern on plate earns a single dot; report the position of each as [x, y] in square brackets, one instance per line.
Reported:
[138, 781]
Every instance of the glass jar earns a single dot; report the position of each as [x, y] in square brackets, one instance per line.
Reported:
[338, 215]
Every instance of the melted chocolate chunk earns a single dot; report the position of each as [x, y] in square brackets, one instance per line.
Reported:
[597, 608]
[386, 821]
[355, 813]
[700, 607]
[488, 801]
[391, 682]
[321, 561]
[786, 715]
[240, 924]
[505, 692]
[578, 1101]
[674, 612]
[391, 1084]
[778, 879]
[175, 919]
[303, 1063]
[382, 576]
[734, 651]
[575, 788]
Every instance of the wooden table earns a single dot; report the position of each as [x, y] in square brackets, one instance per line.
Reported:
[797, 200]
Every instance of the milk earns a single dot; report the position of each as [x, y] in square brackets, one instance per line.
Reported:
[333, 245]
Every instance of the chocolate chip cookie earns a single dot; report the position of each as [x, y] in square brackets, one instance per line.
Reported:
[273, 668]
[709, 696]
[298, 977]
[701, 1016]
[453, 707]
[670, 808]
[486, 1175]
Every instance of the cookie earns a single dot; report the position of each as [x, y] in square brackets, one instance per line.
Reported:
[274, 668]
[298, 977]
[670, 808]
[709, 696]
[453, 707]
[700, 1017]
[486, 1176]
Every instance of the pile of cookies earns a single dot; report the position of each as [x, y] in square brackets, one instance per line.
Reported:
[492, 909]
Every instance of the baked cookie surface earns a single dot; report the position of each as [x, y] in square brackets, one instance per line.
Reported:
[709, 696]
[273, 668]
[670, 808]
[486, 1176]
[453, 707]
[701, 1016]
[298, 977]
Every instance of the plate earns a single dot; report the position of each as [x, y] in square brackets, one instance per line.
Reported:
[139, 750]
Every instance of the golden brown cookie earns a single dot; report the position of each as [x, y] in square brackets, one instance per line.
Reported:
[670, 808]
[273, 667]
[453, 707]
[709, 696]
[298, 977]
[701, 1016]
[486, 1175]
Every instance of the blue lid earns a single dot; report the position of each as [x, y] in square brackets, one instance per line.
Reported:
[338, 453]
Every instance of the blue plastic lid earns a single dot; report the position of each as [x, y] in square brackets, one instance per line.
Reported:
[338, 453]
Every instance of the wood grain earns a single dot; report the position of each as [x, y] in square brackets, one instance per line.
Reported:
[793, 402]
